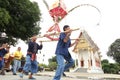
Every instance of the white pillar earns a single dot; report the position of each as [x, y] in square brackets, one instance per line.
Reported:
[93, 60]
[79, 58]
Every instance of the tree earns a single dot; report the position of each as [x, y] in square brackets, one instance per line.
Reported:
[52, 63]
[53, 59]
[19, 19]
[105, 61]
[4, 18]
[52, 66]
[110, 67]
[114, 50]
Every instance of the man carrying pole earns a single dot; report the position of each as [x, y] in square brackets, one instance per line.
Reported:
[62, 52]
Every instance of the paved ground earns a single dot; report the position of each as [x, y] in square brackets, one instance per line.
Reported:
[70, 76]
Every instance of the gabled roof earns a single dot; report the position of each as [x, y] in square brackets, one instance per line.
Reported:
[85, 42]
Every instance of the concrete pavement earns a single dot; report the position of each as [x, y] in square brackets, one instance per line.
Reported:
[85, 76]
[38, 76]
[70, 76]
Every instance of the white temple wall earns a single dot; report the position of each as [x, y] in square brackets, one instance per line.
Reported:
[85, 56]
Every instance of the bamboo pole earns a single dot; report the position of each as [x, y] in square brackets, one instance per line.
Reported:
[54, 33]
[54, 40]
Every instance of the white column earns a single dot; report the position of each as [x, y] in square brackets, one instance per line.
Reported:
[79, 58]
[93, 60]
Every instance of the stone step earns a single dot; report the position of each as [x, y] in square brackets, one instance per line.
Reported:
[81, 70]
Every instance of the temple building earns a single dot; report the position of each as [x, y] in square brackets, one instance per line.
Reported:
[88, 58]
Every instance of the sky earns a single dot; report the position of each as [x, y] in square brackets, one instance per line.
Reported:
[85, 18]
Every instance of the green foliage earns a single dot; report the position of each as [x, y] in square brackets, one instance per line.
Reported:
[110, 67]
[44, 65]
[114, 50]
[52, 66]
[4, 18]
[105, 61]
[114, 68]
[105, 67]
[53, 59]
[52, 63]
[19, 19]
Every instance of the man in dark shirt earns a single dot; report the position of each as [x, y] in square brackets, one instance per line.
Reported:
[31, 63]
[62, 52]
[3, 50]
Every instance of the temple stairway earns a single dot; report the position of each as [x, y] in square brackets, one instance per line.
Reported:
[81, 70]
